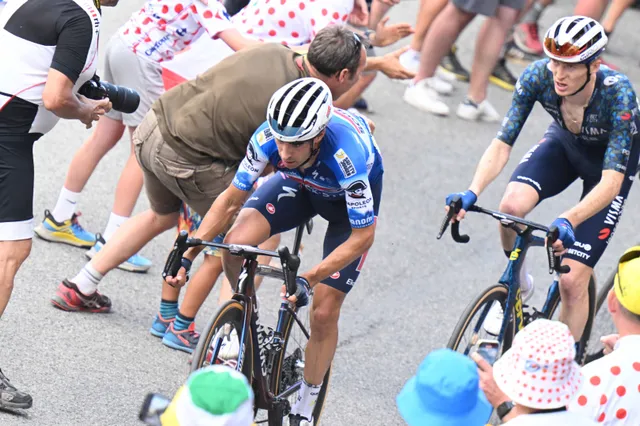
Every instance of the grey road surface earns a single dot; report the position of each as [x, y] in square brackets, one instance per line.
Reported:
[85, 369]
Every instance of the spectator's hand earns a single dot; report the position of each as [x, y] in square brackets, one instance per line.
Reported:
[487, 383]
[609, 342]
[389, 2]
[392, 68]
[386, 35]
[360, 14]
[96, 109]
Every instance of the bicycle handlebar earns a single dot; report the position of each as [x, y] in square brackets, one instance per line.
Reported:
[507, 220]
[290, 262]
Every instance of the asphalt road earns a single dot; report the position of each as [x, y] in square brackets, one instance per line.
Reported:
[96, 369]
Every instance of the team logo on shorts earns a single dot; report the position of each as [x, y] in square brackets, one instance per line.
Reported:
[270, 208]
[336, 275]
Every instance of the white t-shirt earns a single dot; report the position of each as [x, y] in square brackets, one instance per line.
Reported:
[558, 418]
[611, 391]
[163, 27]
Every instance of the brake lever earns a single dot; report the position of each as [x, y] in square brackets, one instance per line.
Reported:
[174, 260]
[454, 208]
[290, 264]
[554, 261]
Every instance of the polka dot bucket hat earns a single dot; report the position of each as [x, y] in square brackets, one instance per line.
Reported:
[539, 370]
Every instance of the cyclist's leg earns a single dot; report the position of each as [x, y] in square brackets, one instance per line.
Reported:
[279, 205]
[543, 172]
[592, 238]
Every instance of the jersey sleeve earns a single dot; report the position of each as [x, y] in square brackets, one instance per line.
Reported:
[75, 34]
[350, 168]
[212, 16]
[328, 12]
[524, 98]
[256, 160]
[624, 119]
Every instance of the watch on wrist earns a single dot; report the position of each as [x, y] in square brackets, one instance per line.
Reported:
[368, 33]
[504, 409]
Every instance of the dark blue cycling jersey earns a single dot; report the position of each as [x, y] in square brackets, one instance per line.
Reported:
[609, 119]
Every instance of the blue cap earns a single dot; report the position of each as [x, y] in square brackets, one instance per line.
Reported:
[445, 391]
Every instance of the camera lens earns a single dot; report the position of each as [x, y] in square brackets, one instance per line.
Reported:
[122, 99]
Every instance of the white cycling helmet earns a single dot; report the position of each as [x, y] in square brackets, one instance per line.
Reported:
[299, 110]
[575, 40]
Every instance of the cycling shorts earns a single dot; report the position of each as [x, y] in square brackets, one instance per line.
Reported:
[555, 163]
[297, 207]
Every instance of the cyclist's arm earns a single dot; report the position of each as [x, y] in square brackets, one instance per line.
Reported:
[497, 154]
[219, 216]
[212, 15]
[623, 116]
[235, 40]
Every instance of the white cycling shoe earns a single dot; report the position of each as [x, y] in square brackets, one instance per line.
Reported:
[493, 321]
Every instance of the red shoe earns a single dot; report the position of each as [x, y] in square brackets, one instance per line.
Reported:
[527, 38]
[69, 298]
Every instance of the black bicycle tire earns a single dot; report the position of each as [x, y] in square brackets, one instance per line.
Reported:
[601, 299]
[199, 354]
[277, 368]
[473, 307]
[583, 343]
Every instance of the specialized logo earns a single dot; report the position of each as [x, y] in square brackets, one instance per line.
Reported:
[288, 192]
[345, 163]
[271, 208]
[356, 189]
[251, 154]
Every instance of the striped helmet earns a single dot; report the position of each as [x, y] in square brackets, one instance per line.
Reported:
[300, 110]
[575, 40]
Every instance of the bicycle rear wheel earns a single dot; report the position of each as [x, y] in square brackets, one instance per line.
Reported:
[602, 322]
[220, 341]
[288, 364]
[583, 343]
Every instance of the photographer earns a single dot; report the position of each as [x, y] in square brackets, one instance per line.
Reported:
[49, 50]
[133, 57]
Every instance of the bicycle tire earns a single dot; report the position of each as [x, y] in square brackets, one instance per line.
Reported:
[231, 311]
[274, 384]
[601, 300]
[499, 293]
[583, 343]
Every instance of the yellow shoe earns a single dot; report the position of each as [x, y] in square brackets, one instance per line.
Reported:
[68, 232]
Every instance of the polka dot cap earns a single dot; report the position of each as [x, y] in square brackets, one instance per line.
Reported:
[539, 371]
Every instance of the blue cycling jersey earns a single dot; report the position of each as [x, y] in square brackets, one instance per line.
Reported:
[349, 159]
[610, 119]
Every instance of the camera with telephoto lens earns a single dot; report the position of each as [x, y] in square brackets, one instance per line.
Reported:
[122, 98]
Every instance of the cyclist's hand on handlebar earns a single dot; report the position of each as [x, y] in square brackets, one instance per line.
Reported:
[301, 296]
[566, 236]
[468, 198]
[182, 276]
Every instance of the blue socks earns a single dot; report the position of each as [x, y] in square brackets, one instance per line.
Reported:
[182, 322]
[168, 309]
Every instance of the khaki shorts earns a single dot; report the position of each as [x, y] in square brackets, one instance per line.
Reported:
[487, 7]
[170, 179]
[122, 67]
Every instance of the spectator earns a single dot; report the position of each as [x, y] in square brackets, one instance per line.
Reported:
[444, 392]
[532, 383]
[611, 394]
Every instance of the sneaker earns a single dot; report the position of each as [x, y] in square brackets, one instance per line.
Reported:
[517, 55]
[484, 111]
[526, 37]
[69, 298]
[410, 60]
[361, 104]
[493, 321]
[502, 77]
[160, 325]
[68, 232]
[230, 346]
[183, 340]
[12, 398]
[298, 420]
[135, 263]
[450, 65]
[422, 96]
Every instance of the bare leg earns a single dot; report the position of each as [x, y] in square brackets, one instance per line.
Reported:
[250, 228]
[429, 9]
[591, 8]
[12, 255]
[129, 185]
[519, 200]
[105, 136]
[134, 234]
[574, 293]
[488, 47]
[618, 7]
[443, 33]
[378, 11]
[200, 286]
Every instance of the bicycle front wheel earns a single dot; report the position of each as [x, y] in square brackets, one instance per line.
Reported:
[602, 322]
[220, 341]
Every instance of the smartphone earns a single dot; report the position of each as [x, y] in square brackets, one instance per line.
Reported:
[152, 408]
[489, 350]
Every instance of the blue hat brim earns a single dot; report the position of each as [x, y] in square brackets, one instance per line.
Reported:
[415, 414]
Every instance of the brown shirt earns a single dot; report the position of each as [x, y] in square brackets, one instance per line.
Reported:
[215, 115]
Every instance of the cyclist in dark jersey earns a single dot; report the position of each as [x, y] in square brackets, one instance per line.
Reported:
[593, 136]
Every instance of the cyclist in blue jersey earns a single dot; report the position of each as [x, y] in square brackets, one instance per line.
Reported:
[593, 136]
[327, 164]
